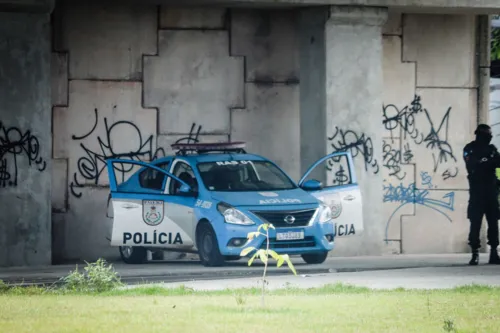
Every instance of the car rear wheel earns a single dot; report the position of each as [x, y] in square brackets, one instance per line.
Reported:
[208, 248]
[315, 258]
[133, 255]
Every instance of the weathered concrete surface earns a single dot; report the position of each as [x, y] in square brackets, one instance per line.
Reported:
[353, 99]
[27, 6]
[106, 42]
[268, 41]
[104, 119]
[25, 139]
[273, 112]
[192, 18]
[429, 114]
[312, 64]
[433, 48]
[429, 6]
[193, 63]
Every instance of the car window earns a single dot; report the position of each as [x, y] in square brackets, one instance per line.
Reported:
[153, 179]
[184, 172]
[243, 176]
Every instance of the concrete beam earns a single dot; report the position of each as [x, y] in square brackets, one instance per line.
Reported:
[27, 6]
[424, 6]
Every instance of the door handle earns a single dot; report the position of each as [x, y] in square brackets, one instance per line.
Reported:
[349, 198]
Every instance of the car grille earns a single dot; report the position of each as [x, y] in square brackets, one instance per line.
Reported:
[277, 218]
[291, 244]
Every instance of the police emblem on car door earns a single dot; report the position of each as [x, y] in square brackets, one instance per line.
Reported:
[338, 188]
[152, 212]
[145, 216]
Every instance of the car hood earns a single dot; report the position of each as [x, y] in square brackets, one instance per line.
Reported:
[266, 198]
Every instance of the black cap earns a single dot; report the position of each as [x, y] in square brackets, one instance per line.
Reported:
[482, 128]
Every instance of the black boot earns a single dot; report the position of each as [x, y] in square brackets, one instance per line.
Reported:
[475, 258]
[494, 259]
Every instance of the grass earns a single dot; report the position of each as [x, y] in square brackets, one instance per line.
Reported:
[336, 308]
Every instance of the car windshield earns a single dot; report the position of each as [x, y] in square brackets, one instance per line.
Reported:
[229, 176]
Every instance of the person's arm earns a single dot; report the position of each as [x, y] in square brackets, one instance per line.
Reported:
[471, 160]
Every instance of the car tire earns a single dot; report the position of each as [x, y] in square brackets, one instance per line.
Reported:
[232, 258]
[315, 258]
[208, 248]
[133, 255]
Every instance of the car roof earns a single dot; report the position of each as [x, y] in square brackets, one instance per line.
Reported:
[212, 157]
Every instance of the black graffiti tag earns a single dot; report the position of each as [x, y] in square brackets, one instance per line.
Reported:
[436, 140]
[192, 136]
[447, 174]
[404, 119]
[341, 176]
[14, 144]
[93, 163]
[356, 144]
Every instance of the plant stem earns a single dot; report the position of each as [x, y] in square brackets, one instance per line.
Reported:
[265, 266]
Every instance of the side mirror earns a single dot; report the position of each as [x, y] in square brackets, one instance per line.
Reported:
[312, 185]
[186, 191]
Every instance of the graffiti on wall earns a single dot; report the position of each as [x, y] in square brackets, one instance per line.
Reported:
[357, 144]
[393, 159]
[403, 123]
[192, 137]
[14, 145]
[411, 195]
[92, 164]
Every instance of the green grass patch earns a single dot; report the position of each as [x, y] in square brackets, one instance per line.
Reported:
[95, 300]
[335, 308]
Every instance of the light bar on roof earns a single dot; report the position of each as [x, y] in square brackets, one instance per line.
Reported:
[209, 146]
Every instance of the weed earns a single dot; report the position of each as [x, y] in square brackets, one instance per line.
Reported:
[449, 325]
[98, 277]
[264, 255]
[240, 299]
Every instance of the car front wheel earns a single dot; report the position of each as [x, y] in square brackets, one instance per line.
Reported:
[133, 255]
[315, 258]
[208, 248]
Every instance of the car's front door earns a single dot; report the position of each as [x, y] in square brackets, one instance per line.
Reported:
[144, 214]
[340, 191]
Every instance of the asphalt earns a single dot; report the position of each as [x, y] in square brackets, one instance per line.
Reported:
[191, 270]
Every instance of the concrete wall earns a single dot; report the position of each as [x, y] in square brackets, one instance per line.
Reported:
[429, 114]
[125, 84]
[25, 139]
[137, 78]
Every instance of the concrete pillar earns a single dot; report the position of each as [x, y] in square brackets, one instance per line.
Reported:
[341, 104]
[25, 138]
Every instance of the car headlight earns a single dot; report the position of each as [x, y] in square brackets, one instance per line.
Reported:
[325, 213]
[233, 215]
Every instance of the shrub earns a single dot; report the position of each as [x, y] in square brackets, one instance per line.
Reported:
[98, 277]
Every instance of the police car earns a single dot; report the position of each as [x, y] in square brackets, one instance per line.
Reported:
[206, 198]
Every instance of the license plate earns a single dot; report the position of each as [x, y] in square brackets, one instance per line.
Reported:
[290, 235]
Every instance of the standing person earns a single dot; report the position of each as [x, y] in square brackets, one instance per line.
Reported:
[481, 159]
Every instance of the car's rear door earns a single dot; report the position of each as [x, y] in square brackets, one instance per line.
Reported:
[340, 191]
[144, 214]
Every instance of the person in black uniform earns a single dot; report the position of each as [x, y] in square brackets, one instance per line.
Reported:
[481, 159]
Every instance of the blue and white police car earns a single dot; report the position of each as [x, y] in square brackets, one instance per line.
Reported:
[206, 198]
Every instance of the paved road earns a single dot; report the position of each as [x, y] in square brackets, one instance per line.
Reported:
[410, 278]
[184, 270]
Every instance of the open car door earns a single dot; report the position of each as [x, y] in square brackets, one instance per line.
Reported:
[337, 186]
[144, 214]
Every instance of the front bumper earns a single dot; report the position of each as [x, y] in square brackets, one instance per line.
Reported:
[315, 239]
